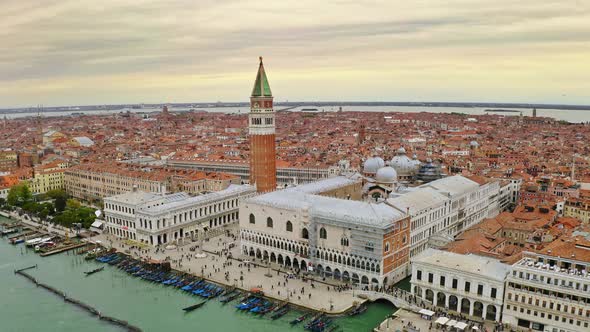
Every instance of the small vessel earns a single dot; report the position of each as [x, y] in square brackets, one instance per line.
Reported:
[17, 240]
[358, 310]
[94, 271]
[299, 319]
[194, 306]
[9, 231]
[39, 240]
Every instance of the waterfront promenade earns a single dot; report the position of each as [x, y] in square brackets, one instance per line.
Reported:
[241, 271]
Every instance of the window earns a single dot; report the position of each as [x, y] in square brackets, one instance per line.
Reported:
[386, 246]
[305, 233]
[269, 222]
[467, 286]
[455, 282]
[289, 226]
[494, 291]
[442, 281]
[323, 233]
[252, 219]
[430, 277]
[479, 289]
[344, 241]
[418, 274]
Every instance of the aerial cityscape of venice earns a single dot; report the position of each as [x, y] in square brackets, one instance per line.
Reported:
[255, 166]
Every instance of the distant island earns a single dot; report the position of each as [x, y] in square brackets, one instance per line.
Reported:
[308, 104]
[502, 110]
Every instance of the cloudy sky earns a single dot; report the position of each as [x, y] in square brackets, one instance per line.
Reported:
[62, 52]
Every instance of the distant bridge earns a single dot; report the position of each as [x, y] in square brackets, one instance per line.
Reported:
[397, 301]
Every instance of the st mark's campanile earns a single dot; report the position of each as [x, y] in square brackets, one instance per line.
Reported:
[261, 125]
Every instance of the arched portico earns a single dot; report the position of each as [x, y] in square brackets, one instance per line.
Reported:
[453, 303]
[465, 306]
[441, 299]
[429, 296]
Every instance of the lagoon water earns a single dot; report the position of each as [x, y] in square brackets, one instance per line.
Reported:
[574, 116]
[152, 307]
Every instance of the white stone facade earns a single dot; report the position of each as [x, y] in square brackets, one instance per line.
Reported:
[365, 243]
[467, 284]
[551, 294]
[449, 205]
[158, 220]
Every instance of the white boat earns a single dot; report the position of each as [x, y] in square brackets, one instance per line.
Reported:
[32, 242]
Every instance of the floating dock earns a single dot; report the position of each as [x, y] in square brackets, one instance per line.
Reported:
[63, 249]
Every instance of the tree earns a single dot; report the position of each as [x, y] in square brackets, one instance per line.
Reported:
[60, 198]
[60, 203]
[19, 194]
[73, 204]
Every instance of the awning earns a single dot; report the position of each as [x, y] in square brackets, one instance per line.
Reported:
[97, 224]
[475, 328]
[441, 320]
[426, 312]
[460, 326]
[452, 322]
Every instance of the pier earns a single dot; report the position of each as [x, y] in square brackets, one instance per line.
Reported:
[93, 311]
[63, 249]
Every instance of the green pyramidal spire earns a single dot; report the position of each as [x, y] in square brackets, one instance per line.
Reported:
[261, 86]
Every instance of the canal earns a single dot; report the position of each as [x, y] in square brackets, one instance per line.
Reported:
[152, 307]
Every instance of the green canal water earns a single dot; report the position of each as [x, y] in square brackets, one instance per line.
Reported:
[152, 307]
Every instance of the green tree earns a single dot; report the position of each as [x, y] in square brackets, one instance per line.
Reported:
[60, 198]
[73, 204]
[31, 207]
[19, 194]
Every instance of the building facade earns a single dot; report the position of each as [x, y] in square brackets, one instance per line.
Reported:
[446, 206]
[299, 228]
[48, 177]
[8, 160]
[93, 182]
[165, 219]
[285, 175]
[550, 291]
[578, 208]
[467, 284]
[261, 124]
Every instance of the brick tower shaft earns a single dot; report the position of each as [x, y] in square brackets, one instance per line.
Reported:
[261, 125]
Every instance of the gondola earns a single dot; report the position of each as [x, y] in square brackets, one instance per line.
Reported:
[94, 271]
[299, 319]
[194, 306]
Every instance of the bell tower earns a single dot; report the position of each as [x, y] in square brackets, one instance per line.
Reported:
[261, 125]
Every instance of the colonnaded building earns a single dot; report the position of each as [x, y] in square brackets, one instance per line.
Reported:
[171, 219]
[93, 182]
[301, 227]
[353, 236]
[468, 284]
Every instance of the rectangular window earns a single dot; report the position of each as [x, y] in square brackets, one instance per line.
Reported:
[419, 275]
[467, 286]
[455, 282]
[430, 277]
[479, 289]
[493, 293]
[442, 281]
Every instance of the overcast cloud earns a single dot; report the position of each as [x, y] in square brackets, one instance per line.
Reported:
[123, 51]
